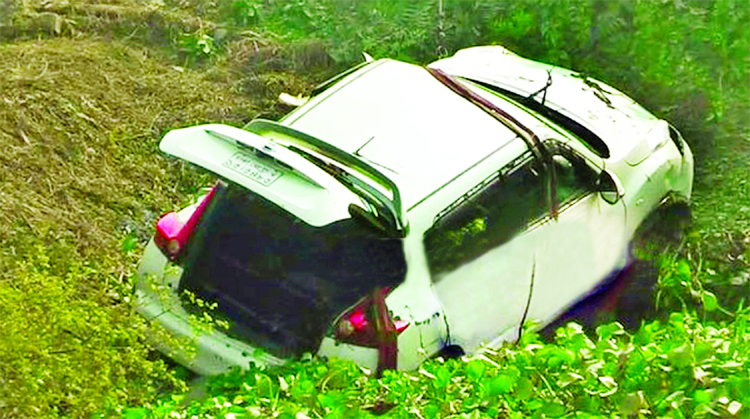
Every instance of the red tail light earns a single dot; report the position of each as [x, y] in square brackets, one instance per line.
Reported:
[359, 325]
[369, 324]
[172, 234]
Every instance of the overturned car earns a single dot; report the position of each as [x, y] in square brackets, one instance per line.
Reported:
[405, 209]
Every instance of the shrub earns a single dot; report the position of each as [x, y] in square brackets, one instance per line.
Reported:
[70, 345]
[677, 369]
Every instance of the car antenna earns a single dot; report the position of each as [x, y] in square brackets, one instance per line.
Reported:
[543, 89]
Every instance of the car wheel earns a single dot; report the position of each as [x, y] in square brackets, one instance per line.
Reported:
[451, 352]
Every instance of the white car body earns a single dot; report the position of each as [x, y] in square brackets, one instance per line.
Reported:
[444, 155]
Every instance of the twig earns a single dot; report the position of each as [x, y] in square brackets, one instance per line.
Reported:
[528, 303]
[44, 71]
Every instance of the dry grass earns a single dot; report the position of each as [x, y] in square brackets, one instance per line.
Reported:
[80, 123]
[87, 90]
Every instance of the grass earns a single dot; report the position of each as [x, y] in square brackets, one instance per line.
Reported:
[89, 87]
[81, 172]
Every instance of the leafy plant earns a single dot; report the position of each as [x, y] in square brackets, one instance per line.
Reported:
[676, 369]
[63, 359]
[196, 46]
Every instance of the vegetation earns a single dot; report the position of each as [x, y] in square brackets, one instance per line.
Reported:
[681, 369]
[88, 88]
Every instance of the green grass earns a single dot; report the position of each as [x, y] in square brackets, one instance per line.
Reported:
[677, 369]
[89, 87]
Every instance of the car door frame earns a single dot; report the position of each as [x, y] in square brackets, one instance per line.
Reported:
[590, 282]
[531, 229]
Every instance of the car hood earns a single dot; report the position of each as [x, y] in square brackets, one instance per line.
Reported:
[617, 119]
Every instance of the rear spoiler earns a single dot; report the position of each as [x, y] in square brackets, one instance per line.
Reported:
[285, 134]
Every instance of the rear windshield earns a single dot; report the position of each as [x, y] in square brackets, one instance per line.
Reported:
[279, 281]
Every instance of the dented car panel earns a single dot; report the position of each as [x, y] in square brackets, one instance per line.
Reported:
[613, 116]
[403, 210]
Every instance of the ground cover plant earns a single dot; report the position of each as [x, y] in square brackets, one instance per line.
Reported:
[681, 369]
[88, 87]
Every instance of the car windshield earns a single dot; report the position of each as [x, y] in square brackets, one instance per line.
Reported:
[279, 281]
[587, 137]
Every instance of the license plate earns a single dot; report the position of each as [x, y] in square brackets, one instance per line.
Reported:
[249, 166]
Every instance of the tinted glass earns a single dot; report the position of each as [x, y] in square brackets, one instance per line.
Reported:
[592, 141]
[574, 178]
[499, 209]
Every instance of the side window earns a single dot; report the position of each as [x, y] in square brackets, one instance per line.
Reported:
[488, 216]
[573, 177]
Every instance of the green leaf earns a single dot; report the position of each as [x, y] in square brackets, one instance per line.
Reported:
[431, 410]
[524, 388]
[701, 397]
[608, 330]
[134, 413]
[677, 320]
[681, 356]
[129, 244]
[332, 399]
[554, 409]
[475, 369]
[502, 384]
[443, 377]
[702, 351]
[710, 303]
[535, 404]
[642, 337]
[683, 270]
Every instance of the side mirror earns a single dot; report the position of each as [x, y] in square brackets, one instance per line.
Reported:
[609, 187]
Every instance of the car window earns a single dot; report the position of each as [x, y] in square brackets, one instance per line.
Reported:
[573, 177]
[587, 137]
[486, 217]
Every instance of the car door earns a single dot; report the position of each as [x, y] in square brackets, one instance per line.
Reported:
[481, 250]
[582, 244]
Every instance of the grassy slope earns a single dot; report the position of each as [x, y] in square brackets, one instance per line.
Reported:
[86, 92]
[81, 115]
[79, 128]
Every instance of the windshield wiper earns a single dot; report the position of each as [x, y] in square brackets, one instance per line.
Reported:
[596, 89]
[384, 207]
[543, 89]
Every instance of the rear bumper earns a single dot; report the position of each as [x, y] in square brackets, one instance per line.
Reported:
[194, 345]
[190, 342]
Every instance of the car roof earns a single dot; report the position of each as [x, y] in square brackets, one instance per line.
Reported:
[398, 117]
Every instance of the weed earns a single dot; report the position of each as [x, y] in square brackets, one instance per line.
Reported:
[196, 46]
[89, 87]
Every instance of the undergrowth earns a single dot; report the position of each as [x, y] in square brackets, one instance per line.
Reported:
[88, 87]
[678, 369]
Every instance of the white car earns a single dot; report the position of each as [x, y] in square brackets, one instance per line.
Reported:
[404, 210]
